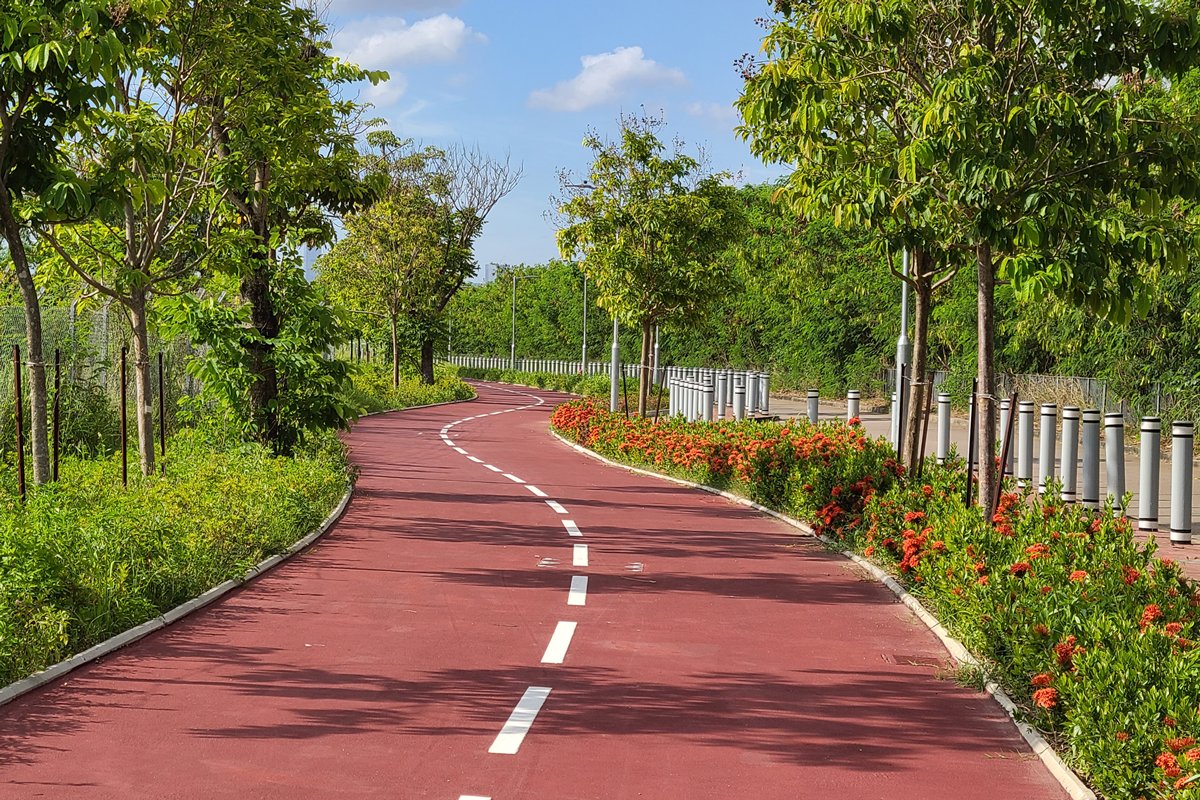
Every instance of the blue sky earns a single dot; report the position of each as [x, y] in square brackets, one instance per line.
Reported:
[531, 77]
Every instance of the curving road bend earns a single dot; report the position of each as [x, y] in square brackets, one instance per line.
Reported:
[497, 616]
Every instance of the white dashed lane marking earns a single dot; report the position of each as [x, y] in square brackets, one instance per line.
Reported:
[508, 741]
[556, 507]
[493, 469]
[572, 528]
[579, 556]
[536, 491]
[556, 651]
[578, 594]
[513, 478]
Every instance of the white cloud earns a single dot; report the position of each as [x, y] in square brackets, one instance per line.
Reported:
[718, 113]
[389, 42]
[386, 93]
[605, 77]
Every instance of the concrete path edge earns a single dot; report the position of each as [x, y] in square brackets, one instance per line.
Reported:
[1071, 783]
[114, 643]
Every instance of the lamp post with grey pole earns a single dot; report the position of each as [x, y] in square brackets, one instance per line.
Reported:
[512, 352]
[901, 352]
[583, 363]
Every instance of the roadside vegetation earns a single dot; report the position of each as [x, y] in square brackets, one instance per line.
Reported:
[1084, 625]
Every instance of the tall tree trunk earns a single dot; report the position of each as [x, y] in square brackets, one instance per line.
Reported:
[38, 440]
[264, 383]
[395, 353]
[915, 411]
[427, 360]
[644, 372]
[986, 367]
[142, 376]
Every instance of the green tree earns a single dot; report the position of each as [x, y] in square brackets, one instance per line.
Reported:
[285, 146]
[58, 62]
[650, 229]
[995, 131]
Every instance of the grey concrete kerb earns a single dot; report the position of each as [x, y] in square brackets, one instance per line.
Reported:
[111, 645]
[1071, 783]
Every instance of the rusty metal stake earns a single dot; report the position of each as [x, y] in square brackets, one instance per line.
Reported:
[124, 438]
[57, 412]
[19, 414]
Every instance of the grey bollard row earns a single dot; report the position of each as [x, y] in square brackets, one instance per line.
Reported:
[1068, 471]
[1114, 458]
[1025, 443]
[1005, 413]
[853, 399]
[1046, 456]
[814, 406]
[739, 396]
[1090, 495]
[1151, 430]
[1181, 482]
[943, 434]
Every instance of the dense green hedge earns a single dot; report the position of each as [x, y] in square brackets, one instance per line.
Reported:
[86, 559]
[373, 390]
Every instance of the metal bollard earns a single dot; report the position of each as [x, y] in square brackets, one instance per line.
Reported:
[729, 387]
[1151, 430]
[751, 392]
[943, 436]
[1181, 482]
[722, 380]
[1005, 411]
[1025, 443]
[1048, 434]
[764, 386]
[671, 398]
[706, 401]
[1091, 459]
[1068, 470]
[1114, 458]
[853, 399]
[739, 397]
[814, 406]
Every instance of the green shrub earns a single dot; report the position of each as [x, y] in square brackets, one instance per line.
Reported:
[373, 390]
[85, 559]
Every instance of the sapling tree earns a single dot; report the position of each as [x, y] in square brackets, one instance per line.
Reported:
[650, 226]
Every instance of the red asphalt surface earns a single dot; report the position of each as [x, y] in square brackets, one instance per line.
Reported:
[718, 655]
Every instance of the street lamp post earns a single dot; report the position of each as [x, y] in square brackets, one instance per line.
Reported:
[512, 350]
[583, 364]
[614, 371]
[901, 352]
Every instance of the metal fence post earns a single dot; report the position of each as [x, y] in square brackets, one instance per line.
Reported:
[1025, 442]
[1151, 430]
[943, 416]
[1048, 434]
[1181, 482]
[1068, 470]
[1114, 458]
[1091, 459]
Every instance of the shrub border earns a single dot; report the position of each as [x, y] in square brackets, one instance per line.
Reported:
[112, 644]
[1066, 777]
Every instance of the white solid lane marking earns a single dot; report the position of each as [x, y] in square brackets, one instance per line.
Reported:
[508, 741]
[572, 528]
[493, 469]
[579, 557]
[460, 450]
[538, 492]
[476, 460]
[578, 594]
[556, 507]
[513, 478]
[448, 442]
[556, 651]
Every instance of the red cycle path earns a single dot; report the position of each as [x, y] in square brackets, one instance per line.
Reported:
[718, 655]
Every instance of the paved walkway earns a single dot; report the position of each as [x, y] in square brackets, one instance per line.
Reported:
[501, 617]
